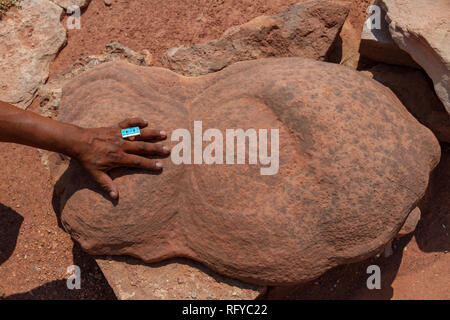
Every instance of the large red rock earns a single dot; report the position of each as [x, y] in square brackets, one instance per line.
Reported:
[353, 164]
[307, 29]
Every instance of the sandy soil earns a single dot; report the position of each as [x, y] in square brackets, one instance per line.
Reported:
[35, 252]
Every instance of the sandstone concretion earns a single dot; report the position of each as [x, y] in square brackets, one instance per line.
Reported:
[422, 28]
[30, 38]
[306, 29]
[353, 163]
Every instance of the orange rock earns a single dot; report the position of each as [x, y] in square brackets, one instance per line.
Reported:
[353, 162]
[305, 29]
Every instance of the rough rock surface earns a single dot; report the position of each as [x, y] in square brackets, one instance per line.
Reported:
[415, 91]
[353, 164]
[29, 40]
[67, 3]
[50, 94]
[345, 51]
[172, 280]
[411, 223]
[378, 45]
[305, 29]
[422, 28]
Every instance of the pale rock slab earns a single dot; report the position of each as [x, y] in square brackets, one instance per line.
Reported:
[178, 279]
[378, 45]
[422, 28]
[30, 38]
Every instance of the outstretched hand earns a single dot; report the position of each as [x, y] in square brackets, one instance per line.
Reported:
[102, 149]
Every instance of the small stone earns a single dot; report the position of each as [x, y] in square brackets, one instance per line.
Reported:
[148, 57]
[107, 2]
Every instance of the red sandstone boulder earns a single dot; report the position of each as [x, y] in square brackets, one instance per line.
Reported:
[353, 163]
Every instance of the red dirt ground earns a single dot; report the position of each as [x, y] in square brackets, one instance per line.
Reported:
[35, 252]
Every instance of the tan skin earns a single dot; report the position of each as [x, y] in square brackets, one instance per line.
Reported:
[98, 150]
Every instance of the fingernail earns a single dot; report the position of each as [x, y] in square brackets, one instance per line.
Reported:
[162, 133]
[159, 164]
[165, 149]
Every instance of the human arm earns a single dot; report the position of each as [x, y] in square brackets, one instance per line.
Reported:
[98, 150]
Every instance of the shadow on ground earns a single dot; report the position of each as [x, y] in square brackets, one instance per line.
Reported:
[10, 222]
[93, 284]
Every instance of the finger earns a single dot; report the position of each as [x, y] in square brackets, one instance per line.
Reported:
[146, 148]
[151, 134]
[133, 122]
[133, 161]
[106, 183]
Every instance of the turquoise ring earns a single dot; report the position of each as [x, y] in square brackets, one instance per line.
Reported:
[131, 132]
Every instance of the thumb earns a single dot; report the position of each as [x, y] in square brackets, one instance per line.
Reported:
[106, 183]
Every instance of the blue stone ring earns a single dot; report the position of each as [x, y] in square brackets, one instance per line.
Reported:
[130, 132]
